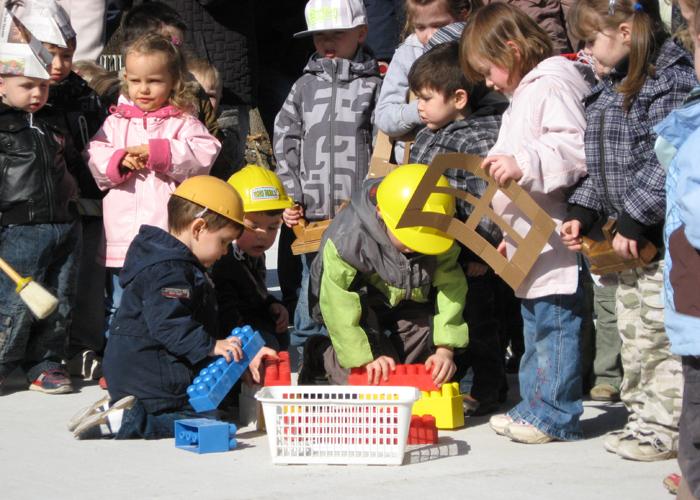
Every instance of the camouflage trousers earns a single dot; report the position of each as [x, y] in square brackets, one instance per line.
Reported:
[652, 381]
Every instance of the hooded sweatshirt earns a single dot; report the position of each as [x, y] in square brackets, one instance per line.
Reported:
[679, 135]
[543, 129]
[358, 265]
[323, 133]
[165, 326]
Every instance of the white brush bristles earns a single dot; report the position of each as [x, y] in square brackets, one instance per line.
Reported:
[38, 299]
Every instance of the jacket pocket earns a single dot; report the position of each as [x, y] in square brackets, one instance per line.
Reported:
[685, 273]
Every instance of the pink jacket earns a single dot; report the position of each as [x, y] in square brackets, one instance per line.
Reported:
[179, 147]
[543, 129]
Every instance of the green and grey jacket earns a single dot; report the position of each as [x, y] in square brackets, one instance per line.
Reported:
[357, 259]
[323, 133]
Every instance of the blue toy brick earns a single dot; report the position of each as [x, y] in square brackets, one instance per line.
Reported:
[204, 435]
[216, 380]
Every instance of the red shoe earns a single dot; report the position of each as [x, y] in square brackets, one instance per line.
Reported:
[103, 383]
[672, 483]
[52, 381]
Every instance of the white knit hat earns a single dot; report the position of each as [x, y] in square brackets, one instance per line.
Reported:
[20, 53]
[333, 15]
[46, 20]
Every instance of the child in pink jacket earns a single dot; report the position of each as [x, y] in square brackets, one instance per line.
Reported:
[540, 145]
[148, 145]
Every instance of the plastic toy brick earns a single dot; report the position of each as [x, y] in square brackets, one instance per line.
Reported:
[405, 375]
[216, 380]
[422, 430]
[203, 435]
[445, 405]
[278, 371]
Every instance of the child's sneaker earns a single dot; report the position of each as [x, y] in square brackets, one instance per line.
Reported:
[102, 424]
[101, 405]
[613, 439]
[672, 482]
[86, 364]
[524, 432]
[499, 423]
[52, 381]
[646, 450]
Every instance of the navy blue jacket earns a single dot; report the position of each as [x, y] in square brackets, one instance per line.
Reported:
[165, 326]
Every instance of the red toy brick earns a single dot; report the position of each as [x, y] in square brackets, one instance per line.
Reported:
[422, 430]
[404, 375]
[277, 371]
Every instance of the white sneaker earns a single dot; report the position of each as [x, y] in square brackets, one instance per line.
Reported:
[97, 406]
[499, 423]
[524, 432]
[89, 427]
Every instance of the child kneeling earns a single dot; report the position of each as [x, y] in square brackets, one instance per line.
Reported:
[166, 326]
[371, 277]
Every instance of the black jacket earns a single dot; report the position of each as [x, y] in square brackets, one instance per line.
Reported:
[75, 109]
[35, 186]
[165, 326]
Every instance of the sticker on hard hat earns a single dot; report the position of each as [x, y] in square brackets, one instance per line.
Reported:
[264, 193]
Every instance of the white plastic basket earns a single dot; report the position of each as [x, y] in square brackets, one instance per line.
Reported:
[337, 424]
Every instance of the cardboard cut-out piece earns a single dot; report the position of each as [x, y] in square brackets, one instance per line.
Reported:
[20, 53]
[46, 20]
[528, 247]
[309, 234]
[380, 163]
[603, 259]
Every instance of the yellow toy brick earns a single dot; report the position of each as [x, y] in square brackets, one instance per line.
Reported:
[445, 405]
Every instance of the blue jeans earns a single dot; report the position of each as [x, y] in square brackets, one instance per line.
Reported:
[550, 369]
[304, 324]
[113, 296]
[137, 423]
[48, 253]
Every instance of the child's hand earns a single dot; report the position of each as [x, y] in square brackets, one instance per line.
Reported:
[255, 368]
[502, 168]
[282, 317]
[228, 348]
[625, 247]
[141, 151]
[291, 216]
[570, 233]
[502, 249]
[475, 269]
[441, 365]
[132, 162]
[380, 367]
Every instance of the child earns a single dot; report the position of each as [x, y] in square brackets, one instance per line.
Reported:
[678, 135]
[446, 104]
[39, 223]
[372, 278]
[396, 117]
[649, 76]
[167, 325]
[540, 146]
[323, 133]
[75, 109]
[208, 78]
[146, 147]
[239, 276]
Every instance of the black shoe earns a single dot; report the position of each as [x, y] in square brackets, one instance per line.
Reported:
[312, 371]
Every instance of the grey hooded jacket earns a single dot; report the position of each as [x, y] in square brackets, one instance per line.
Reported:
[323, 133]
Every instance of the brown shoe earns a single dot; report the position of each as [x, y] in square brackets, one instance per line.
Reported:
[605, 392]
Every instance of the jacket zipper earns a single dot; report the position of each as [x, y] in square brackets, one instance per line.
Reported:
[601, 144]
[145, 123]
[331, 175]
[49, 177]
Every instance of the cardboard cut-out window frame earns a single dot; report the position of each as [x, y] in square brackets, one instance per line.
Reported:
[528, 247]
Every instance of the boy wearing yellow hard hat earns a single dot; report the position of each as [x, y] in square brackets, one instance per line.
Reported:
[371, 277]
[239, 277]
[166, 327]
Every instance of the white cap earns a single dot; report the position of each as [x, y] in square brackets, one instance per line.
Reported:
[46, 20]
[333, 15]
[20, 53]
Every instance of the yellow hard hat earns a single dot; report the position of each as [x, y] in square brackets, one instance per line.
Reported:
[260, 189]
[214, 194]
[394, 193]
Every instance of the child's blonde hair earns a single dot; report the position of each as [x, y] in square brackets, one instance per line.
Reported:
[201, 68]
[459, 9]
[182, 95]
[648, 32]
[490, 34]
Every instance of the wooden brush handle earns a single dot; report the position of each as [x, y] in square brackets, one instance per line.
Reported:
[13, 275]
